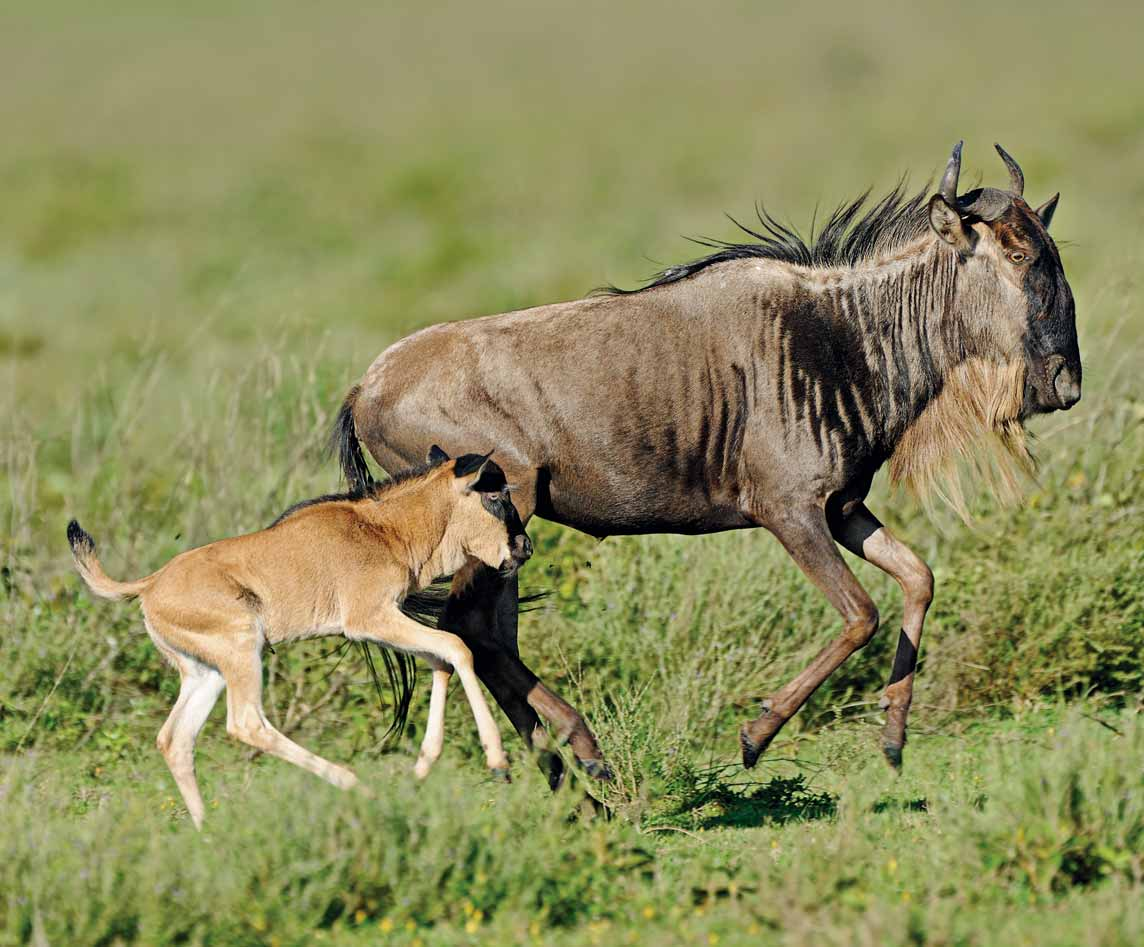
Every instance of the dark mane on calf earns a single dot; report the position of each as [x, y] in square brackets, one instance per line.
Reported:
[375, 490]
[316, 501]
[846, 240]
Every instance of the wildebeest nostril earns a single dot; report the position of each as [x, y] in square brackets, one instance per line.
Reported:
[1066, 387]
[1062, 383]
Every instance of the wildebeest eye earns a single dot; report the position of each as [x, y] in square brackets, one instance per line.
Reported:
[1017, 256]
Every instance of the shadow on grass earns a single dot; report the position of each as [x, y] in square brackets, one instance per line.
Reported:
[782, 800]
[900, 805]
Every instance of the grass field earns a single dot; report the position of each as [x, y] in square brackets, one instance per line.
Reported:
[211, 221]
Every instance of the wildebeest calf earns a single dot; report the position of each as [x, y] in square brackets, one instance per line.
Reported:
[337, 565]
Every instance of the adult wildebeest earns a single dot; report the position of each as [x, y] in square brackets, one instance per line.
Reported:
[338, 565]
[762, 385]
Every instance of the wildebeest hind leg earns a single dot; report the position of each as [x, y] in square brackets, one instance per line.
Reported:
[805, 535]
[569, 722]
[470, 613]
[482, 609]
[865, 536]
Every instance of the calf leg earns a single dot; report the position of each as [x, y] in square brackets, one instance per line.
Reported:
[393, 629]
[434, 740]
[200, 689]
[863, 535]
[805, 535]
[246, 721]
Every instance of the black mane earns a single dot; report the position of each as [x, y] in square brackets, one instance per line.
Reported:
[846, 240]
[374, 490]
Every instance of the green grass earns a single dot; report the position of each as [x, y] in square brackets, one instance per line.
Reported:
[213, 219]
[1028, 831]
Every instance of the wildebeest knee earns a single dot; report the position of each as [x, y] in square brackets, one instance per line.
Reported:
[918, 583]
[860, 629]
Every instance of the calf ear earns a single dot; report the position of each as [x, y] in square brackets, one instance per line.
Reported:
[948, 225]
[436, 455]
[490, 479]
[1047, 209]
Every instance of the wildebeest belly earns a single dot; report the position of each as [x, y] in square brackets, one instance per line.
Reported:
[619, 429]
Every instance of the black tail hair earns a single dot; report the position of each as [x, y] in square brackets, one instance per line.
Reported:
[401, 673]
[80, 539]
[344, 443]
[426, 607]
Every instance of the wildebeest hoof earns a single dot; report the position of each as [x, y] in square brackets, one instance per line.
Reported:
[751, 751]
[552, 766]
[588, 807]
[597, 769]
[893, 754]
[500, 774]
[756, 735]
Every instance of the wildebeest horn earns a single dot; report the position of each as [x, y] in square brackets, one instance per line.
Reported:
[948, 186]
[984, 203]
[1016, 178]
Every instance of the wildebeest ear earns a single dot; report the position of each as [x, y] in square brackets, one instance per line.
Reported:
[1047, 209]
[436, 455]
[947, 223]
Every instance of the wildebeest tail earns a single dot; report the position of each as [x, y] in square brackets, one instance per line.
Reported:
[401, 675]
[344, 443]
[87, 564]
[427, 606]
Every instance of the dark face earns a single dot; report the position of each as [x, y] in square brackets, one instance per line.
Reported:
[501, 506]
[1024, 257]
[492, 488]
[1054, 377]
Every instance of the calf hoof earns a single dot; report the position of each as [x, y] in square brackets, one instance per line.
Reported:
[345, 779]
[500, 774]
[893, 754]
[597, 769]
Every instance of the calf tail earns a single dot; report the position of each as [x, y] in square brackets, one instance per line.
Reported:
[344, 443]
[87, 564]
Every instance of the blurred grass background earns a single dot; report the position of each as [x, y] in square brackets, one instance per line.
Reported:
[214, 217]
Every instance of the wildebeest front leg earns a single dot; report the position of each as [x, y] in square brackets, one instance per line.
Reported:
[483, 610]
[805, 535]
[863, 535]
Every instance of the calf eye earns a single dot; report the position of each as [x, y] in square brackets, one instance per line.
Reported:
[1016, 256]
